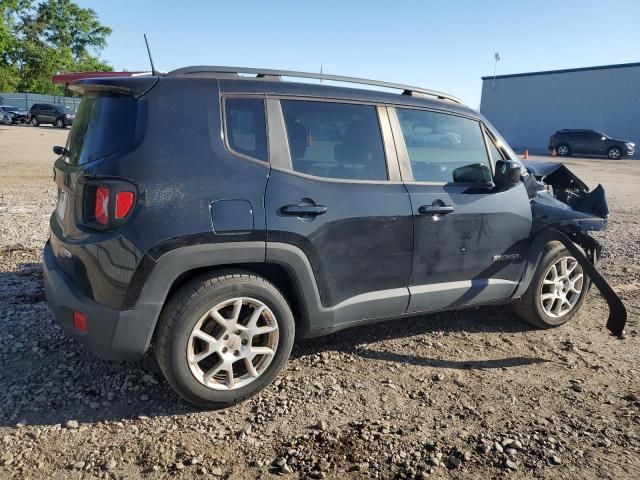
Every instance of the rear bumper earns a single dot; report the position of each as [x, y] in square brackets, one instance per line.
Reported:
[112, 334]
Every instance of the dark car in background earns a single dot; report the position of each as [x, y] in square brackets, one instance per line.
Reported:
[10, 114]
[589, 142]
[60, 116]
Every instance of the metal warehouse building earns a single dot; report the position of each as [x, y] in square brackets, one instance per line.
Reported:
[527, 108]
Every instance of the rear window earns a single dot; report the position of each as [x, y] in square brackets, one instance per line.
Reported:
[102, 126]
[246, 127]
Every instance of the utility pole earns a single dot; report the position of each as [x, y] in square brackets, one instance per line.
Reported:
[496, 56]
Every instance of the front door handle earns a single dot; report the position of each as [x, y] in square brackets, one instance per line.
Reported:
[303, 210]
[435, 209]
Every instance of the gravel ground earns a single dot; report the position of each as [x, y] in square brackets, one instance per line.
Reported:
[469, 394]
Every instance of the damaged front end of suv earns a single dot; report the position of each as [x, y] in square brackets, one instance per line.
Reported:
[565, 210]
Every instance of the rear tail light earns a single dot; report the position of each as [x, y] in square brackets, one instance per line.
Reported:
[124, 204]
[101, 215]
[80, 322]
[108, 204]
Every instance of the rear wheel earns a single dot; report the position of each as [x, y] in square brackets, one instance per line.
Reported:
[34, 121]
[222, 338]
[614, 153]
[563, 150]
[557, 290]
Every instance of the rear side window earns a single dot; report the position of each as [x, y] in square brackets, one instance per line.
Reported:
[335, 140]
[102, 126]
[444, 148]
[245, 127]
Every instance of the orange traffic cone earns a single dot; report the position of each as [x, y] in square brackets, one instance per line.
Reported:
[553, 152]
[526, 155]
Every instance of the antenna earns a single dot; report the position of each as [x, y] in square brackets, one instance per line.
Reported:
[153, 68]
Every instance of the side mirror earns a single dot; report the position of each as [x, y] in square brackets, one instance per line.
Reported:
[507, 174]
[61, 151]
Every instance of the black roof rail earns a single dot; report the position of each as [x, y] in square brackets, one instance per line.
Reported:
[278, 74]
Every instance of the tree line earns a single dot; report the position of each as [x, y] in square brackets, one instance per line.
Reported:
[41, 38]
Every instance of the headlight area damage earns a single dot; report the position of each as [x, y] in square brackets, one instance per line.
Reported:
[564, 210]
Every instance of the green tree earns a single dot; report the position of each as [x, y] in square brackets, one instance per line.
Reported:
[41, 39]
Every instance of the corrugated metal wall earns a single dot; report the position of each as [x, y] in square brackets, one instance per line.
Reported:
[526, 110]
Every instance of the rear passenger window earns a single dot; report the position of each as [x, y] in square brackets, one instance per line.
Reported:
[335, 140]
[245, 126]
[444, 148]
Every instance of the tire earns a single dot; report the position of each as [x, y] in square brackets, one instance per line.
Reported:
[189, 310]
[7, 120]
[531, 307]
[60, 123]
[614, 153]
[34, 121]
[563, 150]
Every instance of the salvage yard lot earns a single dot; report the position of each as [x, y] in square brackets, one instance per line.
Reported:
[468, 394]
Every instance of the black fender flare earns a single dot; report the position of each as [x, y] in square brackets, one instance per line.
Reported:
[617, 311]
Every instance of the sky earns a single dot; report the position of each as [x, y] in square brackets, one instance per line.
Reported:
[441, 45]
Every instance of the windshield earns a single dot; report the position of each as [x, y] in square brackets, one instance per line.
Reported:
[102, 126]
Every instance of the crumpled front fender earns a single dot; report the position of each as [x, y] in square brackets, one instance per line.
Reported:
[617, 311]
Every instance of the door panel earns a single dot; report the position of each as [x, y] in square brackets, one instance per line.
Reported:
[470, 242]
[327, 195]
[361, 243]
[475, 253]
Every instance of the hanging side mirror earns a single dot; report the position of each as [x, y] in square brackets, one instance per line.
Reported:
[507, 174]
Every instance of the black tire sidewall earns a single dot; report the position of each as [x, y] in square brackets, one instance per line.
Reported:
[552, 256]
[563, 154]
[178, 372]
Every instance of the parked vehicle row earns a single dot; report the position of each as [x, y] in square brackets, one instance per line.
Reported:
[60, 116]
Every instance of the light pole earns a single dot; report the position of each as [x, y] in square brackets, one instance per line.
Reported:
[496, 56]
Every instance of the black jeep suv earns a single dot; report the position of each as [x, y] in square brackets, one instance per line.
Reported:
[589, 142]
[282, 210]
[58, 115]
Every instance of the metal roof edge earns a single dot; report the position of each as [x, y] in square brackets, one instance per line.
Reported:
[566, 70]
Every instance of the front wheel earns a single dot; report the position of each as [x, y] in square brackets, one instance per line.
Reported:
[614, 153]
[60, 123]
[7, 120]
[224, 337]
[556, 292]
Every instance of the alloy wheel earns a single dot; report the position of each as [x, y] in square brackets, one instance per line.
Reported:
[6, 120]
[561, 287]
[563, 150]
[614, 154]
[233, 343]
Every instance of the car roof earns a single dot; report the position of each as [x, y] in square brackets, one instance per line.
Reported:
[271, 81]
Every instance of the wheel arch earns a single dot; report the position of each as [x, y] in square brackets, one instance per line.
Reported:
[156, 280]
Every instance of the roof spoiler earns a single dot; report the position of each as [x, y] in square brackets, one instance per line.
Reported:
[135, 86]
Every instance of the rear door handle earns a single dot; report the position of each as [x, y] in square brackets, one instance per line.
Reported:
[303, 210]
[435, 209]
